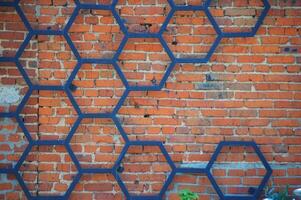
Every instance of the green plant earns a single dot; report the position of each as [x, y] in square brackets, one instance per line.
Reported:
[186, 194]
[281, 195]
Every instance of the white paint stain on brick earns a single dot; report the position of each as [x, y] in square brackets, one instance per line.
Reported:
[9, 95]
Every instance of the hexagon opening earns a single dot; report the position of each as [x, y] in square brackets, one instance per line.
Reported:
[238, 170]
[97, 143]
[99, 88]
[144, 61]
[48, 171]
[12, 33]
[48, 115]
[145, 170]
[228, 14]
[12, 143]
[98, 186]
[185, 30]
[48, 60]
[47, 15]
[96, 34]
[138, 17]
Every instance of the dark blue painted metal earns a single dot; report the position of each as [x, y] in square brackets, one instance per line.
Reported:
[260, 156]
[66, 87]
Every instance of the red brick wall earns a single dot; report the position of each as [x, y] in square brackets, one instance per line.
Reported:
[249, 90]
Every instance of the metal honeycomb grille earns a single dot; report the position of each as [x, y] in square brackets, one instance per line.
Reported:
[68, 87]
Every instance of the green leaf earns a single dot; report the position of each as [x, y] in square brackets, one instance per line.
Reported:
[186, 194]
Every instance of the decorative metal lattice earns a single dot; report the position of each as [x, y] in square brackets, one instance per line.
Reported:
[68, 87]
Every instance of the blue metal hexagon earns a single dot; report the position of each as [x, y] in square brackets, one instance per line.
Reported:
[23, 185]
[105, 166]
[120, 181]
[266, 8]
[46, 141]
[75, 103]
[264, 181]
[215, 26]
[39, 86]
[155, 86]
[95, 7]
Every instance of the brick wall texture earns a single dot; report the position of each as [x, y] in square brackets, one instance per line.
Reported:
[249, 90]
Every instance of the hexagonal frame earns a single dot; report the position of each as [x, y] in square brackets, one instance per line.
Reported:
[95, 170]
[24, 73]
[165, 185]
[211, 21]
[170, 67]
[120, 101]
[25, 130]
[23, 184]
[252, 33]
[95, 7]
[263, 182]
